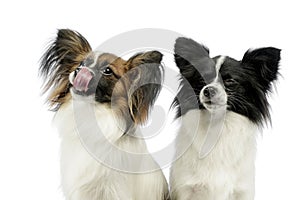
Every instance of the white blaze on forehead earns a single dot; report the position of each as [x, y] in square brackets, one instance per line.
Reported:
[96, 55]
[219, 63]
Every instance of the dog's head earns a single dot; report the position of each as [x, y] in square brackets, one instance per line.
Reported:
[239, 86]
[130, 85]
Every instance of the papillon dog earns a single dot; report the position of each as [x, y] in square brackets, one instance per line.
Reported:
[99, 94]
[222, 104]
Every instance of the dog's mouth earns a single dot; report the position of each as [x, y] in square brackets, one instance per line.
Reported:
[208, 102]
[81, 79]
[211, 102]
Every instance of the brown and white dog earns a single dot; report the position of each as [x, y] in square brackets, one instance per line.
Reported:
[73, 72]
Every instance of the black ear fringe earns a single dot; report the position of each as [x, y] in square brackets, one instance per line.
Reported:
[185, 100]
[193, 59]
[186, 51]
[262, 66]
[190, 48]
[62, 55]
[195, 66]
[265, 62]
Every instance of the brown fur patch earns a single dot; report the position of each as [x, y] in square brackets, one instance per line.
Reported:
[146, 73]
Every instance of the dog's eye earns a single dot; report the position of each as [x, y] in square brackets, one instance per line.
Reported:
[230, 82]
[107, 71]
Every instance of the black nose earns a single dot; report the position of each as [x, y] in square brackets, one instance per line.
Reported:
[210, 92]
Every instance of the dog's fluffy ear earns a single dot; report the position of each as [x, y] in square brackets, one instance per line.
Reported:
[62, 57]
[264, 62]
[191, 56]
[146, 75]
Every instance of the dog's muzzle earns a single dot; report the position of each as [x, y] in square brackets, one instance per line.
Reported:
[81, 78]
[213, 96]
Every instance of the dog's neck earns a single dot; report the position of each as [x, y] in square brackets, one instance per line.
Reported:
[201, 131]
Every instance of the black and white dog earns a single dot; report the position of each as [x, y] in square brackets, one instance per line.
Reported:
[231, 95]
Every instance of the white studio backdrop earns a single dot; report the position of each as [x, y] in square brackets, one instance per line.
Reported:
[29, 146]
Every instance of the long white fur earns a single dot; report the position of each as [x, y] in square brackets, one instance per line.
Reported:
[227, 173]
[83, 178]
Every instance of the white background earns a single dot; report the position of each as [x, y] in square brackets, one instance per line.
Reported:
[29, 149]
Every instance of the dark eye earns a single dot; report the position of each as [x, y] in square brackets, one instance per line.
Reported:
[107, 71]
[230, 82]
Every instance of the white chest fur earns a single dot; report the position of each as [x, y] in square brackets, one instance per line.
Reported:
[227, 172]
[84, 178]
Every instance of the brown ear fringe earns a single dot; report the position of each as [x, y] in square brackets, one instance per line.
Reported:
[146, 76]
[62, 56]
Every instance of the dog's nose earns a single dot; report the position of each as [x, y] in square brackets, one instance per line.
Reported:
[209, 92]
